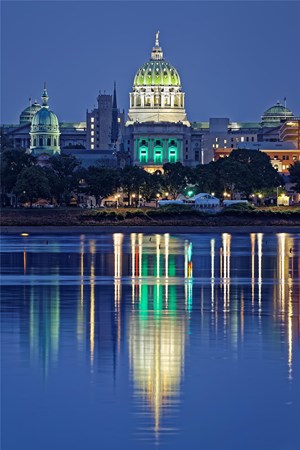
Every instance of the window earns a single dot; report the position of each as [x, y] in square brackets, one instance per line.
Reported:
[276, 157]
[186, 156]
[231, 145]
[92, 146]
[217, 139]
[225, 141]
[92, 126]
[92, 119]
[294, 158]
[34, 142]
[92, 133]
[48, 142]
[285, 157]
[197, 155]
[252, 139]
[157, 156]
[172, 155]
[128, 142]
[242, 139]
[247, 138]
[41, 142]
[55, 143]
[143, 154]
[92, 139]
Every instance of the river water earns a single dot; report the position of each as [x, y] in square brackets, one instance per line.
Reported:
[133, 341]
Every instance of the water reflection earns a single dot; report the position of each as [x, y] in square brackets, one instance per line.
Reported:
[148, 300]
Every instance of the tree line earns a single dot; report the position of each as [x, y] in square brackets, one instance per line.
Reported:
[244, 172]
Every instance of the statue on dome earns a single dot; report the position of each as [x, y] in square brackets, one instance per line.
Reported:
[156, 39]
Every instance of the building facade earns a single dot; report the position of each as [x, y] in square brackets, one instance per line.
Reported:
[157, 128]
[105, 124]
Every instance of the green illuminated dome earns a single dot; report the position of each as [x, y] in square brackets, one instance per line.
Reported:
[273, 116]
[44, 132]
[44, 119]
[157, 71]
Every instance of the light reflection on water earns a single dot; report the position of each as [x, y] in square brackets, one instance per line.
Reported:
[141, 317]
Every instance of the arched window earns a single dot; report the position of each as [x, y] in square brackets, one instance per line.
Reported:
[41, 142]
[55, 143]
[48, 142]
[34, 142]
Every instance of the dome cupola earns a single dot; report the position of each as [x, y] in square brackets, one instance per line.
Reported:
[27, 114]
[273, 116]
[45, 129]
[156, 95]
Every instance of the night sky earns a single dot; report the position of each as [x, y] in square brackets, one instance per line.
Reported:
[235, 59]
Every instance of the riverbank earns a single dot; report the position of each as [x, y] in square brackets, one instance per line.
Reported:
[147, 220]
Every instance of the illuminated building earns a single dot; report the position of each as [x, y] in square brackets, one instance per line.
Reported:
[157, 128]
[44, 131]
[105, 124]
[290, 131]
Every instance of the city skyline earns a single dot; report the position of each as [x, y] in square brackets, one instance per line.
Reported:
[73, 65]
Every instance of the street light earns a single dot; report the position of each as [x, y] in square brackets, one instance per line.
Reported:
[277, 193]
[213, 194]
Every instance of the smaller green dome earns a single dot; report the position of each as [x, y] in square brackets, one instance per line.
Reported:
[45, 118]
[157, 73]
[278, 110]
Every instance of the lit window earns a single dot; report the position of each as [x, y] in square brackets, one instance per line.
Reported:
[92, 133]
[92, 119]
[225, 141]
[92, 146]
[237, 139]
[92, 139]
[217, 139]
[217, 145]
[119, 120]
[242, 139]
[92, 126]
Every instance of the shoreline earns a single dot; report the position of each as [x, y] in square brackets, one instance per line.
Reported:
[180, 229]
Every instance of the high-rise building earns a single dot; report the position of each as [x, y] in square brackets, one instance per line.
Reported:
[104, 123]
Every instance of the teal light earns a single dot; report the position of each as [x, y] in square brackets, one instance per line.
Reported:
[143, 154]
[172, 154]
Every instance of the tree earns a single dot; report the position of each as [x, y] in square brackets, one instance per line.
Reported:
[32, 184]
[151, 186]
[63, 176]
[263, 174]
[176, 178]
[12, 164]
[132, 179]
[100, 182]
[295, 175]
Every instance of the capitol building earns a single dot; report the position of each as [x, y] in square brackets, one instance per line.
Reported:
[156, 129]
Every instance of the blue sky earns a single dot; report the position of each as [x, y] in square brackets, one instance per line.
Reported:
[235, 59]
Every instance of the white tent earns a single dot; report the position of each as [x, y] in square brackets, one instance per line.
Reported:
[204, 200]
